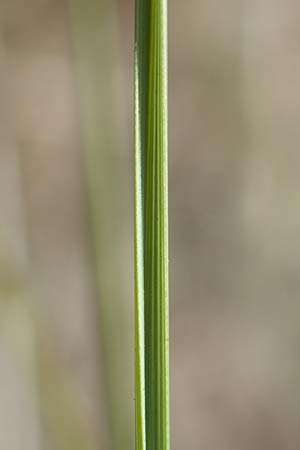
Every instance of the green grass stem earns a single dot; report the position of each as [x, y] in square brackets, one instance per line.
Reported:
[151, 227]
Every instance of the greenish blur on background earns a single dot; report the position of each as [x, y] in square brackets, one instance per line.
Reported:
[66, 224]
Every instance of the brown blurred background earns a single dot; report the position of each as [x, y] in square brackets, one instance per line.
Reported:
[66, 224]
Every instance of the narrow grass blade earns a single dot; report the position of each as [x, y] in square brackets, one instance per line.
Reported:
[151, 227]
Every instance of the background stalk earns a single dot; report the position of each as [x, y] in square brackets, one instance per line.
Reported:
[96, 48]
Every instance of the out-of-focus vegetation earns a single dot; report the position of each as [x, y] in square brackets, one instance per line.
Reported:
[66, 224]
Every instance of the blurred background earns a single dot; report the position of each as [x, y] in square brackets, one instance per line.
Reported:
[66, 224]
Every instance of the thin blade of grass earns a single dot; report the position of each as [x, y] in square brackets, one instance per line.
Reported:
[151, 227]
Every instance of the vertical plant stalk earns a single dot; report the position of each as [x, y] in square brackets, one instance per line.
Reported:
[151, 227]
[95, 44]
